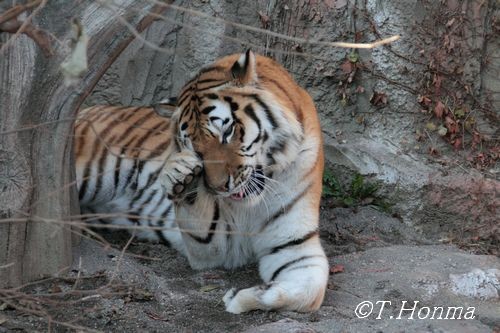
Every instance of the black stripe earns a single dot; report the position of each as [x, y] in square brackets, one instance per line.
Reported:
[251, 113]
[182, 98]
[267, 111]
[161, 238]
[209, 80]
[119, 120]
[118, 167]
[100, 171]
[88, 122]
[211, 231]
[191, 197]
[234, 106]
[210, 69]
[208, 109]
[151, 132]
[83, 186]
[165, 213]
[135, 124]
[87, 171]
[285, 209]
[159, 149]
[228, 232]
[161, 223]
[288, 264]
[294, 242]
[103, 135]
[150, 197]
[131, 173]
[254, 141]
[139, 194]
[210, 87]
[212, 96]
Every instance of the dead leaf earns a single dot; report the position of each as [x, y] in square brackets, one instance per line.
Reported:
[451, 125]
[3, 320]
[4, 306]
[378, 99]
[347, 67]
[208, 288]
[439, 110]
[433, 151]
[155, 316]
[457, 144]
[358, 37]
[264, 19]
[450, 22]
[76, 63]
[336, 269]
[360, 89]
[55, 289]
[442, 130]
[459, 113]
[424, 101]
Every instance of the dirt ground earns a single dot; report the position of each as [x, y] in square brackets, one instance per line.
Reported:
[153, 289]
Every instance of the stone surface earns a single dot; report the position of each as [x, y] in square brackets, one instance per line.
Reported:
[429, 192]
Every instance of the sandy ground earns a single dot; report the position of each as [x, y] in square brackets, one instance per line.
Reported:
[374, 257]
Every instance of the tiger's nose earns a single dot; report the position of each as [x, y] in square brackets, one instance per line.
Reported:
[225, 186]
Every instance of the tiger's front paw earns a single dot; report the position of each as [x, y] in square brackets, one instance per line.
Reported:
[179, 172]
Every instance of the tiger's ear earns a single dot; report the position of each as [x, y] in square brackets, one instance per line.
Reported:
[166, 107]
[244, 70]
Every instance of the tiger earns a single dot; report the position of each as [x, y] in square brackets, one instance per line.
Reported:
[228, 173]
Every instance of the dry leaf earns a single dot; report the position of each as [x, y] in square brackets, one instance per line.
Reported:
[378, 99]
[433, 151]
[76, 63]
[337, 269]
[439, 110]
[155, 316]
[360, 89]
[424, 101]
[442, 130]
[451, 125]
[208, 288]
[264, 19]
[347, 67]
[431, 126]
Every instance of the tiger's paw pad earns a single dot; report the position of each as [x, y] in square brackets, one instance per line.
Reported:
[180, 171]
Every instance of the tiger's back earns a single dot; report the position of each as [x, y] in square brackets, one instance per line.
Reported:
[119, 153]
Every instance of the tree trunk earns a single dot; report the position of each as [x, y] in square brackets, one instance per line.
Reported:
[37, 189]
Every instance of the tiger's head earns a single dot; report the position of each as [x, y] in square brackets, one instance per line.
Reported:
[235, 114]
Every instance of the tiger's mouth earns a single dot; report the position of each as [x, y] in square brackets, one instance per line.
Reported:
[253, 187]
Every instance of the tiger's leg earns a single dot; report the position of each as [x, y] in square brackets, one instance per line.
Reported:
[177, 179]
[295, 276]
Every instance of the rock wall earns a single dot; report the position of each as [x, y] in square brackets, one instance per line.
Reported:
[371, 106]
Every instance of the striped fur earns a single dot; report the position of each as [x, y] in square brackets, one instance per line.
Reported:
[256, 135]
